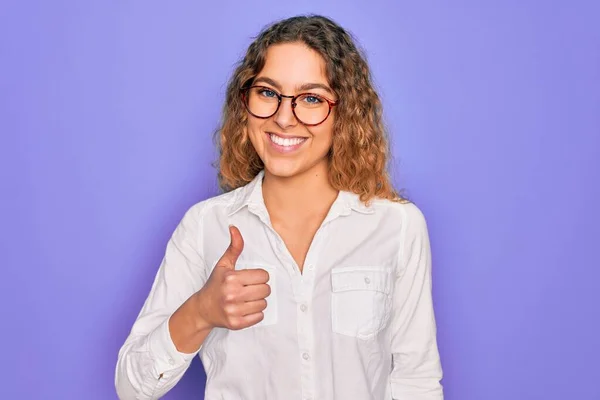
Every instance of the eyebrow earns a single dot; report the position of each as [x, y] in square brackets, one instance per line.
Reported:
[301, 88]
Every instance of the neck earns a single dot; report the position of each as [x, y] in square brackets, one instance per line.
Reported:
[301, 195]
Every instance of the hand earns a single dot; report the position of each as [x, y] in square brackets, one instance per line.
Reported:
[234, 299]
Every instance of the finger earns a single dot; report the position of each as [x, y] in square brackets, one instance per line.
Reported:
[252, 319]
[255, 292]
[236, 245]
[245, 321]
[254, 276]
[253, 307]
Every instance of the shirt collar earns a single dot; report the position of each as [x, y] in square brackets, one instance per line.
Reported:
[251, 196]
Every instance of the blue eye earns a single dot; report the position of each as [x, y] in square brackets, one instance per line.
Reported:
[268, 93]
[312, 99]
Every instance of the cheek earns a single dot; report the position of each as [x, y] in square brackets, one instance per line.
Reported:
[254, 129]
[252, 125]
[323, 133]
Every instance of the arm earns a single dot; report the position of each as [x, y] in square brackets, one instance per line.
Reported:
[149, 363]
[417, 370]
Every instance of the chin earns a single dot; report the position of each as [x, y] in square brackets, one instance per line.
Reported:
[282, 169]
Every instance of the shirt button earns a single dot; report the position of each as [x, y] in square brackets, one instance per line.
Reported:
[310, 267]
[171, 361]
[305, 356]
[367, 280]
[303, 308]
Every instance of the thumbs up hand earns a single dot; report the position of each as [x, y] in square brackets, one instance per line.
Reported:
[234, 299]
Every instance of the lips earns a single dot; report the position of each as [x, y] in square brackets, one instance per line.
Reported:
[285, 144]
[286, 141]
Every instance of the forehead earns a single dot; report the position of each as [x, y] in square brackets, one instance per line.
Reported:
[293, 64]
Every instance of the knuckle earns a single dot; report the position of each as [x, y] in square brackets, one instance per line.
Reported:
[230, 310]
[230, 321]
[261, 317]
[263, 304]
[235, 323]
[230, 277]
[229, 297]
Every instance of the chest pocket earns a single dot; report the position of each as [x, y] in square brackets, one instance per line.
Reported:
[360, 300]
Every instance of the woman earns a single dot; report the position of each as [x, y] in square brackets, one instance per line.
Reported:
[310, 278]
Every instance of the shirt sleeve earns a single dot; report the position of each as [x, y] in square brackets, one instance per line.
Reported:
[416, 367]
[149, 364]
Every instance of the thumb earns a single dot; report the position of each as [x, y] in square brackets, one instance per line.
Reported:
[235, 248]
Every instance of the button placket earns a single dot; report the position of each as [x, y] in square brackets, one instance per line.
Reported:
[305, 318]
[305, 327]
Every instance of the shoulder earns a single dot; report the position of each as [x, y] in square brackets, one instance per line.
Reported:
[405, 215]
[221, 203]
[406, 211]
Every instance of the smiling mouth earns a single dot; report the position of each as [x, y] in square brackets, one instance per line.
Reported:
[286, 142]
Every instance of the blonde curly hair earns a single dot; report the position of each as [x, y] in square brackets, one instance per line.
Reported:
[360, 152]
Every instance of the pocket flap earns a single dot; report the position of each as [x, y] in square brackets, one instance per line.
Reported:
[361, 278]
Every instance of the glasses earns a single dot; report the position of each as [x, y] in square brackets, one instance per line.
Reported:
[310, 109]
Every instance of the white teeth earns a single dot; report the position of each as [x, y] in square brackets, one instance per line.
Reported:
[286, 142]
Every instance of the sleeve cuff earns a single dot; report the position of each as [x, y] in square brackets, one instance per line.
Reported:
[163, 350]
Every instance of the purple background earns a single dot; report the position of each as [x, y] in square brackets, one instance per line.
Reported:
[106, 116]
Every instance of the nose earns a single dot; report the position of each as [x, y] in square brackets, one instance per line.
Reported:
[285, 117]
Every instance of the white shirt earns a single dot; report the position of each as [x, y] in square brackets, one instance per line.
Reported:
[356, 324]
